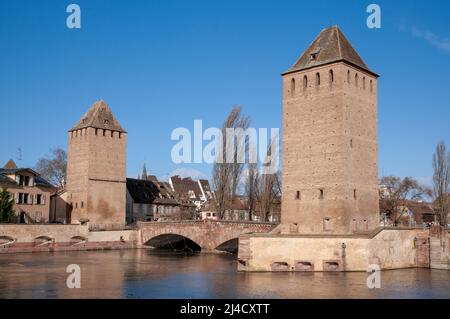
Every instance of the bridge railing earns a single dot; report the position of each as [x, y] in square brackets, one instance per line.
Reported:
[105, 227]
[214, 221]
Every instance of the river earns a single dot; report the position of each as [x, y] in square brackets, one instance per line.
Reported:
[145, 273]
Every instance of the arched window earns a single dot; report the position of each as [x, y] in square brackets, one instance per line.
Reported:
[317, 79]
[331, 77]
[292, 87]
[348, 76]
[305, 82]
[364, 82]
[356, 79]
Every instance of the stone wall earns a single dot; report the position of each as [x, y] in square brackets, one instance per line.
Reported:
[440, 251]
[45, 238]
[330, 150]
[96, 175]
[389, 248]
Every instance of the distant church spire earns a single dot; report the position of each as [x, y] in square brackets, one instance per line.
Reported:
[144, 173]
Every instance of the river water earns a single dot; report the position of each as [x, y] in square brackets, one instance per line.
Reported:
[145, 273]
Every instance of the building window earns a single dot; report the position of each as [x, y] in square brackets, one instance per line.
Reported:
[82, 204]
[321, 193]
[348, 77]
[292, 87]
[371, 86]
[317, 79]
[112, 133]
[354, 194]
[120, 135]
[356, 80]
[297, 195]
[76, 205]
[327, 224]
[305, 82]
[96, 131]
[24, 180]
[39, 199]
[364, 82]
[351, 143]
[331, 77]
[104, 132]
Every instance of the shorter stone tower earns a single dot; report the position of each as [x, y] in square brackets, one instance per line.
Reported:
[96, 168]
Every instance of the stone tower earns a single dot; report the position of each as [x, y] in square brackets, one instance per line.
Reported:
[96, 168]
[330, 140]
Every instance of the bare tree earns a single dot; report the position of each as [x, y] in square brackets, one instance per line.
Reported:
[226, 176]
[441, 181]
[239, 148]
[269, 186]
[395, 192]
[53, 168]
[251, 188]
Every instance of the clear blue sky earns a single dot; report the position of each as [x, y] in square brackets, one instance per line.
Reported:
[162, 64]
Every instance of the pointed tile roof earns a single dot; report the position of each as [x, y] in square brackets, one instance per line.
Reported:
[330, 46]
[10, 165]
[99, 116]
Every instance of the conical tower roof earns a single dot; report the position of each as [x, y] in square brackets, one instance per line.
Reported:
[330, 46]
[99, 116]
[10, 165]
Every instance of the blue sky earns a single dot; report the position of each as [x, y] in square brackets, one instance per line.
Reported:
[163, 64]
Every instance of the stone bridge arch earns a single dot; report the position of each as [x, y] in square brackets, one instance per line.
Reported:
[208, 234]
[154, 230]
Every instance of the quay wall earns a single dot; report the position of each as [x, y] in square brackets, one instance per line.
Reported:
[47, 238]
[389, 248]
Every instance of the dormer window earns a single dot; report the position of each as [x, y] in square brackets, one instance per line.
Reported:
[313, 56]
[106, 122]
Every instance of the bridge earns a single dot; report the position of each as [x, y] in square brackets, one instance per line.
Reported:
[196, 235]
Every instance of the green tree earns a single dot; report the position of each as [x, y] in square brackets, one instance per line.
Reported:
[6, 207]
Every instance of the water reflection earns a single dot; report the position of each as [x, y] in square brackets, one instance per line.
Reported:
[160, 274]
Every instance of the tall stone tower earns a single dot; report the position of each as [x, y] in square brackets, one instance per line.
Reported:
[96, 168]
[330, 140]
